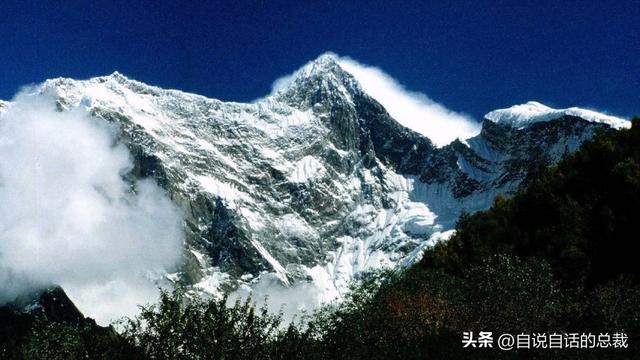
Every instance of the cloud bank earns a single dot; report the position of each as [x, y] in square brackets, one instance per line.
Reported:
[67, 217]
[411, 109]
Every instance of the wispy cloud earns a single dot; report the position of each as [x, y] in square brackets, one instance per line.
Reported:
[413, 110]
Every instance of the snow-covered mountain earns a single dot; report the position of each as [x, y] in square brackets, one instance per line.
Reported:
[520, 116]
[315, 183]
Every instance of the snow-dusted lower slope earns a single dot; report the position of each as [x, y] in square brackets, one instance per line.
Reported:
[312, 185]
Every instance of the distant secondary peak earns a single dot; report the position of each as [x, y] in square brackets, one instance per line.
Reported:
[521, 116]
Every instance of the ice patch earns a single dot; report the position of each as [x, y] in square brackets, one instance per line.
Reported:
[221, 189]
[293, 226]
[305, 169]
[212, 282]
[275, 264]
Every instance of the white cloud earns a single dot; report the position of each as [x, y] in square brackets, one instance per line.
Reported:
[67, 217]
[290, 301]
[411, 109]
[283, 82]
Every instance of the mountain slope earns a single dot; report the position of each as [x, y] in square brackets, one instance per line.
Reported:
[313, 184]
[45, 323]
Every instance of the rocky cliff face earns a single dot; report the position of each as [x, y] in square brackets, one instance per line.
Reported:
[315, 183]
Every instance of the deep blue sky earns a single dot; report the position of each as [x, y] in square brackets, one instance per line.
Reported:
[470, 56]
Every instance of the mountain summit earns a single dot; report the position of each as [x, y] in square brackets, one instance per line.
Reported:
[309, 187]
[520, 116]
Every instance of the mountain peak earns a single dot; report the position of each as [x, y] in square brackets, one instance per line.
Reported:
[523, 115]
[323, 66]
[116, 75]
[328, 60]
[317, 79]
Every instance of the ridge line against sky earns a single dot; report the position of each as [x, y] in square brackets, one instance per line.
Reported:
[414, 110]
[411, 109]
[473, 58]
